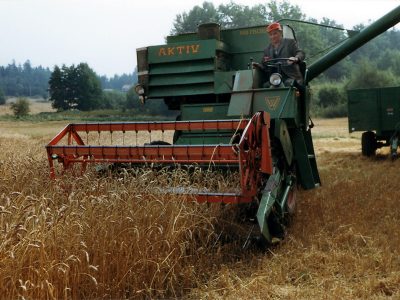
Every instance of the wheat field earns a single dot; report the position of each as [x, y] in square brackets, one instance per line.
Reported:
[120, 238]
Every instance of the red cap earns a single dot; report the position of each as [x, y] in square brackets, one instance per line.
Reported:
[274, 26]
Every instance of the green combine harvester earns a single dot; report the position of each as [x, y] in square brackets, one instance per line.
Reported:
[226, 118]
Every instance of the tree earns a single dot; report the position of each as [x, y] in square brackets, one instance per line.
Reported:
[118, 81]
[2, 97]
[390, 60]
[57, 90]
[20, 107]
[329, 96]
[188, 22]
[281, 10]
[75, 87]
[234, 15]
[88, 88]
[367, 75]
[113, 100]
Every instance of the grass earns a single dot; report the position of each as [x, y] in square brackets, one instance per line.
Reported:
[343, 243]
[119, 237]
[92, 237]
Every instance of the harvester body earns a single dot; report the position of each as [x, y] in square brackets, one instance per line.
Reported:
[226, 118]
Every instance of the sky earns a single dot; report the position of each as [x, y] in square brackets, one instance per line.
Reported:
[106, 33]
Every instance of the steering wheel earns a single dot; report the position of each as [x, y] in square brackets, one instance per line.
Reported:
[277, 62]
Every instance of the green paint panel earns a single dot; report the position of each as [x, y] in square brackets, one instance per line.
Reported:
[306, 163]
[242, 96]
[181, 90]
[245, 43]
[201, 138]
[376, 109]
[181, 79]
[183, 67]
[282, 133]
[279, 102]
[363, 109]
[223, 82]
[268, 200]
[390, 108]
[211, 111]
[240, 104]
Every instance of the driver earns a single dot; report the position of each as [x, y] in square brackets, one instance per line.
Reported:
[280, 47]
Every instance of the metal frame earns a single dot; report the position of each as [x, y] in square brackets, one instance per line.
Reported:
[252, 154]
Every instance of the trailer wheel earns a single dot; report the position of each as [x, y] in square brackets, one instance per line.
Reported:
[368, 143]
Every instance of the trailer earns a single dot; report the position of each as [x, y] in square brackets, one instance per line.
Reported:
[375, 112]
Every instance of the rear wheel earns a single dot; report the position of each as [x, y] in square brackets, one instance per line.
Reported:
[368, 143]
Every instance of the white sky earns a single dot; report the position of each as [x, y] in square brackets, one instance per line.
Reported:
[106, 33]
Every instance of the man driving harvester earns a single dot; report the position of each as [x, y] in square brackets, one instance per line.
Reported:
[280, 47]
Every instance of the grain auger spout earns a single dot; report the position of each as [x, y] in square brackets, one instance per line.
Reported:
[225, 117]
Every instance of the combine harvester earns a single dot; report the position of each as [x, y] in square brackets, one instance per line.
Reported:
[226, 118]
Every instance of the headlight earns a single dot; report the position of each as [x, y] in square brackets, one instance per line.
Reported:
[139, 89]
[275, 79]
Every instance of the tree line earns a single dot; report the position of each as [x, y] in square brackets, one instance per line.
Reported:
[24, 80]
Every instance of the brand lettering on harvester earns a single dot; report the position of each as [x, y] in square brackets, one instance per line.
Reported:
[252, 31]
[179, 50]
